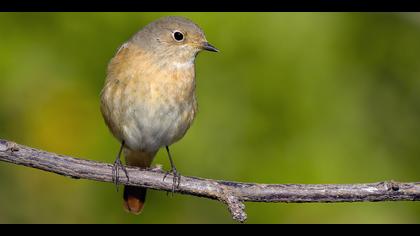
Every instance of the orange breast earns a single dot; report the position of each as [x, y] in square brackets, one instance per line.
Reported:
[148, 103]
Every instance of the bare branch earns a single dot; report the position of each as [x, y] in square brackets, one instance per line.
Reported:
[233, 194]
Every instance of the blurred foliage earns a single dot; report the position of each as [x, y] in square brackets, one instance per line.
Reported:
[291, 98]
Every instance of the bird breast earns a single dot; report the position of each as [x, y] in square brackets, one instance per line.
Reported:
[149, 105]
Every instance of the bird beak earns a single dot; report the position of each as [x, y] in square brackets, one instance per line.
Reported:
[209, 47]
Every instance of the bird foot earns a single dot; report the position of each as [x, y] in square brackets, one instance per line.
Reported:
[116, 172]
[176, 179]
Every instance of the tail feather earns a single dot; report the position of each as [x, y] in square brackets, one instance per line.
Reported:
[135, 197]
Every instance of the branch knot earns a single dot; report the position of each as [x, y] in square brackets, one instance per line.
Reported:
[236, 207]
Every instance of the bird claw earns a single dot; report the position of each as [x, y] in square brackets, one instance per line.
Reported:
[176, 179]
[116, 172]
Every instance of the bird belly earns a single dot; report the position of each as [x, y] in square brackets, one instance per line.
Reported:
[150, 127]
[149, 108]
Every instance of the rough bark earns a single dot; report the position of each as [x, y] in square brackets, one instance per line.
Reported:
[233, 194]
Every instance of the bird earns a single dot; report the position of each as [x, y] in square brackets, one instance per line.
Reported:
[148, 101]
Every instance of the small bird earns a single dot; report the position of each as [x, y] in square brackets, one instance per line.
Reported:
[148, 100]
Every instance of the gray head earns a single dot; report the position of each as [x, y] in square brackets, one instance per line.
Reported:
[173, 36]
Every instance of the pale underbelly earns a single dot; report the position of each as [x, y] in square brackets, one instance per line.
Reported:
[149, 128]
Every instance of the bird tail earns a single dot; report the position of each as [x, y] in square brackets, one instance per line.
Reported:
[135, 197]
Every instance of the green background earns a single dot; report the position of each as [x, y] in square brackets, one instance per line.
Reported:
[291, 98]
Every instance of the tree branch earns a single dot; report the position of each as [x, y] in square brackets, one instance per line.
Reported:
[233, 194]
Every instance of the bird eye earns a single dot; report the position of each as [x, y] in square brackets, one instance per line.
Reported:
[178, 36]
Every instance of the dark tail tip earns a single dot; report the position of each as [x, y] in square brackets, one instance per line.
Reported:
[134, 198]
